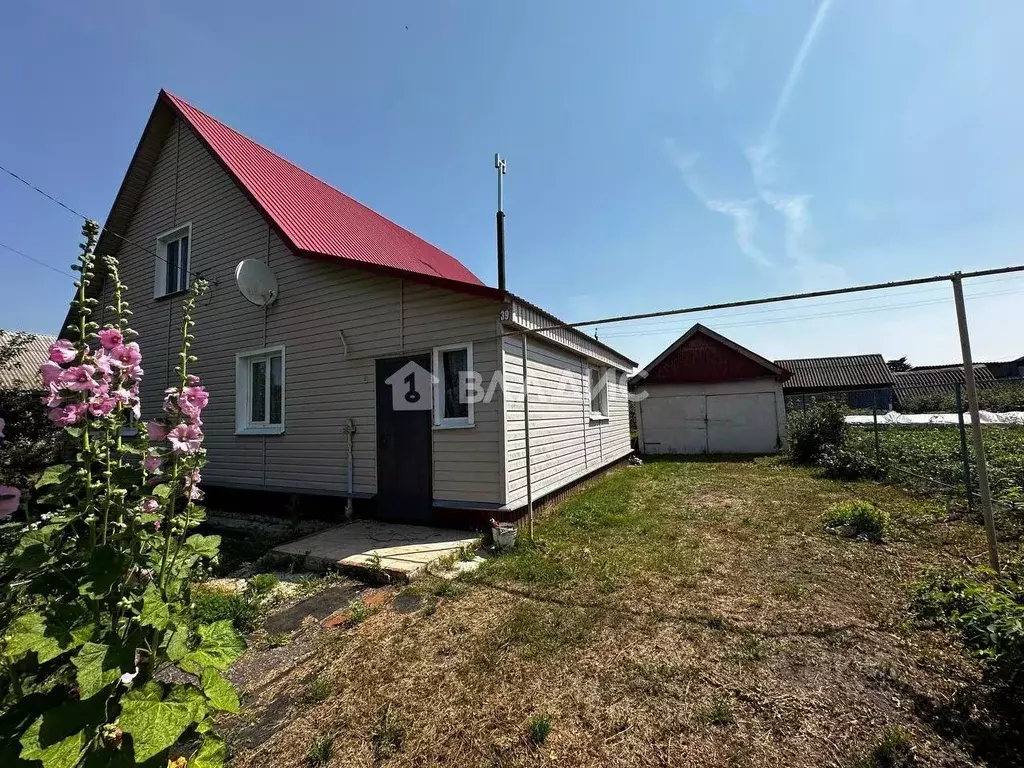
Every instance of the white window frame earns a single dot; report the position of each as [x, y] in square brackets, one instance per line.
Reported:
[600, 415]
[440, 422]
[243, 387]
[162, 265]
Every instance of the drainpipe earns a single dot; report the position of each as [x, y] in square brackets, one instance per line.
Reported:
[350, 429]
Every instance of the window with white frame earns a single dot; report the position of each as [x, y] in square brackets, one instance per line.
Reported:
[453, 367]
[174, 251]
[259, 392]
[598, 393]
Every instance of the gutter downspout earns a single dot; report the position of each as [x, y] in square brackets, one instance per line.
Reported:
[526, 435]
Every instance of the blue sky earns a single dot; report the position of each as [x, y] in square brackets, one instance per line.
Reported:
[660, 154]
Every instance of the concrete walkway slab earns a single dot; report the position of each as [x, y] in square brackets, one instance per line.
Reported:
[402, 550]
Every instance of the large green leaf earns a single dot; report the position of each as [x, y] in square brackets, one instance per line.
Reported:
[212, 754]
[105, 569]
[156, 722]
[219, 691]
[100, 665]
[204, 546]
[155, 612]
[58, 737]
[219, 645]
[162, 491]
[53, 475]
[177, 642]
[28, 633]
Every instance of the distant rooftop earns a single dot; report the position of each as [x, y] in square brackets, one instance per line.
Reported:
[837, 373]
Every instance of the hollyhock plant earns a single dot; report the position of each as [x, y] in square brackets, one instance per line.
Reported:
[62, 351]
[87, 658]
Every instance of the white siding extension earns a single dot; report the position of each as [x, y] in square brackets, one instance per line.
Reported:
[565, 443]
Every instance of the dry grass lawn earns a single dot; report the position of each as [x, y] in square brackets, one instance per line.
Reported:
[675, 614]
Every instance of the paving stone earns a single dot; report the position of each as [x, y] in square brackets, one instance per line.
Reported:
[318, 606]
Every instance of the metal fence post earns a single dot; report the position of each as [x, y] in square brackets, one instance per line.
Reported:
[963, 444]
[874, 416]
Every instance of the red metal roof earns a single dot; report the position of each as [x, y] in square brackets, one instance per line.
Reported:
[316, 219]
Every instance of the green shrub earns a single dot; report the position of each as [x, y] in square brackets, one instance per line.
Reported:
[244, 609]
[985, 609]
[894, 750]
[864, 517]
[999, 399]
[844, 464]
[538, 728]
[813, 431]
[320, 751]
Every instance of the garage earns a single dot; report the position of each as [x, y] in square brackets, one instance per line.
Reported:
[706, 394]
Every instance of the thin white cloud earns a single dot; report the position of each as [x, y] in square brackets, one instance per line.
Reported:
[743, 212]
[725, 55]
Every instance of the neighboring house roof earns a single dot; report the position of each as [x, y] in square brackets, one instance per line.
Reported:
[23, 371]
[702, 356]
[1007, 369]
[837, 373]
[937, 379]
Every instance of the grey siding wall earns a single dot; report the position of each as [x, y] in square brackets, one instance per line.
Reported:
[564, 443]
[379, 316]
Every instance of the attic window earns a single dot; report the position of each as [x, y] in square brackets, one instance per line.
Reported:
[173, 260]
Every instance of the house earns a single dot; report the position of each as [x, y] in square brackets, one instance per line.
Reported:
[858, 381]
[384, 372]
[28, 352]
[1007, 369]
[706, 394]
[925, 380]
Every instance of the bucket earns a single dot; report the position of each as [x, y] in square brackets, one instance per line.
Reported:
[503, 535]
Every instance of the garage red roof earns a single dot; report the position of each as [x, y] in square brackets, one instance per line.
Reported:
[313, 217]
[703, 356]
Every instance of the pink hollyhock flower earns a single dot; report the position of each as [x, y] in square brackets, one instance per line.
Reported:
[68, 415]
[192, 400]
[185, 438]
[122, 395]
[152, 463]
[101, 405]
[110, 338]
[62, 351]
[79, 378]
[126, 355]
[52, 398]
[156, 431]
[50, 372]
[10, 500]
[170, 399]
[156, 525]
[191, 380]
[104, 362]
[150, 505]
[133, 372]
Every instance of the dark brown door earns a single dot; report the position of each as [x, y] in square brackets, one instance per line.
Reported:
[403, 439]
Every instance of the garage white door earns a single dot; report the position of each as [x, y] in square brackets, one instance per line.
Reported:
[745, 423]
[689, 424]
[675, 424]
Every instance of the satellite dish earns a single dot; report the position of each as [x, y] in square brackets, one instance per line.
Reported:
[256, 282]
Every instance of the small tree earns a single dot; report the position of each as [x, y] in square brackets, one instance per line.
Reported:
[96, 593]
[899, 365]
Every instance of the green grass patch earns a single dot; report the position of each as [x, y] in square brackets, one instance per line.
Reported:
[863, 517]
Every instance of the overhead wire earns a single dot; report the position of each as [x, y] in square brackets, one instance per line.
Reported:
[82, 216]
[40, 262]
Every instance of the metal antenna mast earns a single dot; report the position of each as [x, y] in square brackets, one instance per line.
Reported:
[499, 164]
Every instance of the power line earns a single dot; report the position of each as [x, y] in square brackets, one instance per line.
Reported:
[37, 261]
[672, 321]
[775, 299]
[800, 318]
[82, 216]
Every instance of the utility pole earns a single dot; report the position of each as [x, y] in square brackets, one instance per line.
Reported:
[499, 164]
[972, 405]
